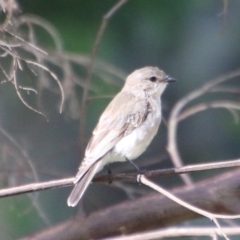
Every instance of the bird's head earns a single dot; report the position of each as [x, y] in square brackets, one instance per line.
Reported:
[150, 79]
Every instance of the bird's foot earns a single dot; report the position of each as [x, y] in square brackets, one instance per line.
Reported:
[140, 171]
[110, 177]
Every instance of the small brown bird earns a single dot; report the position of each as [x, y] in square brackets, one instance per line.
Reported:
[126, 127]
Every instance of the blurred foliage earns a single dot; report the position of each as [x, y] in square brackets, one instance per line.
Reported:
[190, 40]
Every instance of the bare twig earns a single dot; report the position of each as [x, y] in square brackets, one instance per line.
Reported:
[22, 151]
[15, 64]
[30, 19]
[211, 216]
[204, 106]
[176, 111]
[25, 42]
[8, 7]
[224, 12]
[54, 76]
[126, 177]
[179, 232]
[15, 45]
[150, 212]
[96, 45]
[100, 97]
[131, 177]
[225, 89]
[36, 187]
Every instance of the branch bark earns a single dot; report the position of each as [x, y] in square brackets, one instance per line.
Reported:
[217, 195]
[123, 177]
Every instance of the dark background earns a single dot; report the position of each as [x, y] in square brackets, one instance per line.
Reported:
[190, 40]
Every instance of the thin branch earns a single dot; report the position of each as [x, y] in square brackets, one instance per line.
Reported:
[54, 76]
[36, 187]
[10, 49]
[100, 68]
[220, 196]
[34, 198]
[179, 232]
[126, 177]
[99, 97]
[174, 117]
[224, 12]
[224, 89]
[28, 89]
[142, 179]
[31, 19]
[204, 106]
[15, 64]
[8, 7]
[95, 49]
[22, 151]
[27, 43]
[131, 177]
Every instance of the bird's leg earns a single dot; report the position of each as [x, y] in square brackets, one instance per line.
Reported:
[110, 178]
[140, 171]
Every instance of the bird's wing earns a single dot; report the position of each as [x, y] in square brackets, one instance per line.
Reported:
[118, 120]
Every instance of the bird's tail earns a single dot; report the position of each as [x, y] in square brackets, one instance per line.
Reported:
[82, 181]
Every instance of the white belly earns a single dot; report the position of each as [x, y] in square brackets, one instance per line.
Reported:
[135, 143]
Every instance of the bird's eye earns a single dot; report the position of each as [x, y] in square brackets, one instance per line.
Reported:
[153, 79]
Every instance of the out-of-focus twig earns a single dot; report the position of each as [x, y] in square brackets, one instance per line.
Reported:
[214, 217]
[177, 111]
[179, 233]
[204, 106]
[95, 49]
[155, 211]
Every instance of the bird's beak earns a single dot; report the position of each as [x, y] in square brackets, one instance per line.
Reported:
[170, 79]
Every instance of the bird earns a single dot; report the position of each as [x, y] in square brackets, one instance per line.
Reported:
[125, 128]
